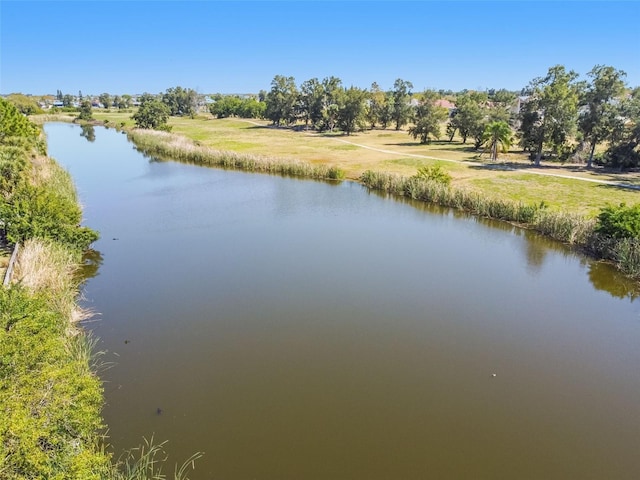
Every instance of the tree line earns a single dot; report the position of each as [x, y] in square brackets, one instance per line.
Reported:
[555, 117]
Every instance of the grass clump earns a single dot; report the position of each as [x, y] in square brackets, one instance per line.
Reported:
[165, 145]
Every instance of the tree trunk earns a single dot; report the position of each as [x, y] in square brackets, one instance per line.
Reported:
[538, 154]
[593, 149]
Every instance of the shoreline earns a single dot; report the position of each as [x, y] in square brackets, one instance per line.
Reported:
[575, 230]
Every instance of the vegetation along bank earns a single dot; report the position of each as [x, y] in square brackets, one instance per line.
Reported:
[50, 395]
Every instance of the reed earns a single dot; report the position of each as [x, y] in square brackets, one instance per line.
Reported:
[168, 146]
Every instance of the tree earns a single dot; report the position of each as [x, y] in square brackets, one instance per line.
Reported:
[351, 112]
[332, 101]
[252, 108]
[14, 124]
[497, 134]
[281, 100]
[67, 100]
[470, 115]
[152, 113]
[226, 106]
[86, 112]
[500, 106]
[600, 112]
[376, 105]
[181, 101]
[105, 100]
[549, 115]
[310, 101]
[624, 149]
[428, 117]
[401, 112]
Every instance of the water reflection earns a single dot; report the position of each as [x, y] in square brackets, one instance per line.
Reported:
[88, 132]
[605, 278]
[92, 260]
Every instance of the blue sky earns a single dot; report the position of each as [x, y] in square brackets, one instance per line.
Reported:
[238, 47]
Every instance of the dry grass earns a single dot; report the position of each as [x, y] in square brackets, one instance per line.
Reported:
[46, 267]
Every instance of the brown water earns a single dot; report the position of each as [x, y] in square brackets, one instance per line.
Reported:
[293, 329]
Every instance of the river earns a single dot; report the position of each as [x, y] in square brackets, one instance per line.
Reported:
[294, 329]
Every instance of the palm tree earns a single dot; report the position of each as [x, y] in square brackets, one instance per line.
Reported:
[497, 133]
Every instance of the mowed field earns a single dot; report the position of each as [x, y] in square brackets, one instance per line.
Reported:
[567, 187]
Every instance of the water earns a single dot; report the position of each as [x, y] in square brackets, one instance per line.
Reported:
[294, 329]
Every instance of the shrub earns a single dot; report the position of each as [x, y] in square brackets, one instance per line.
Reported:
[434, 173]
[38, 212]
[620, 221]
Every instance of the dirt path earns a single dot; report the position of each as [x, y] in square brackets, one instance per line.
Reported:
[476, 164]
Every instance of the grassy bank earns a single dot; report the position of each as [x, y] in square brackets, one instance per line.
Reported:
[50, 398]
[50, 395]
[175, 147]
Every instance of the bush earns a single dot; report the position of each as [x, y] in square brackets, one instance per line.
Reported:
[434, 173]
[38, 212]
[619, 222]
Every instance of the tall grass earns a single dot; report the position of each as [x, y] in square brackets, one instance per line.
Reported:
[46, 171]
[169, 146]
[572, 229]
[43, 266]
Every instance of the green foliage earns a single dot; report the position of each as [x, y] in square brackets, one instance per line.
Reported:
[13, 170]
[351, 113]
[624, 150]
[428, 117]
[105, 99]
[233, 106]
[40, 212]
[181, 101]
[152, 114]
[86, 112]
[601, 116]
[497, 134]
[619, 222]
[281, 100]
[549, 116]
[434, 173]
[26, 105]
[401, 109]
[49, 404]
[15, 124]
[469, 117]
